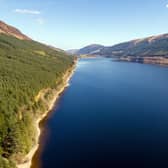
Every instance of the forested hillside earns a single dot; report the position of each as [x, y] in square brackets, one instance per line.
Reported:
[26, 67]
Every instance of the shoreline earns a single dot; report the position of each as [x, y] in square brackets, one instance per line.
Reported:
[29, 157]
[145, 60]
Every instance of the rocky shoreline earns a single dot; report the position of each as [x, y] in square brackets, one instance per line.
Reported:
[146, 60]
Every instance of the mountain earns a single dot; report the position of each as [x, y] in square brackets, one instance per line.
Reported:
[88, 50]
[151, 46]
[31, 74]
[152, 49]
[72, 51]
[12, 31]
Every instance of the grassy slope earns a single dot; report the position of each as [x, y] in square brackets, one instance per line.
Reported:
[26, 67]
[143, 48]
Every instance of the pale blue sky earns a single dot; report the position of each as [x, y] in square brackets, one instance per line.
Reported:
[71, 24]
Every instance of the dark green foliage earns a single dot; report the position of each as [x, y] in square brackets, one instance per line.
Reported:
[26, 67]
[4, 163]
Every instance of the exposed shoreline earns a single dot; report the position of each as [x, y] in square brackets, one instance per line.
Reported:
[163, 61]
[66, 78]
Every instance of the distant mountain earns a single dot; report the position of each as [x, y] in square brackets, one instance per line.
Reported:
[73, 51]
[147, 47]
[152, 49]
[12, 31]
[90, 49]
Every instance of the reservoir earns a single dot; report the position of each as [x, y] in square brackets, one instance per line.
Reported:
[113, 115]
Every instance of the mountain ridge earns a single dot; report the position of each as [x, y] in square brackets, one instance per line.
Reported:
[153, 49]
[116, 49]
[12, 31]
[90, 49]
[150, 46]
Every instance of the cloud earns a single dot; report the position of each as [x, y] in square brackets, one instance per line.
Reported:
[40, 21]
[27, 11]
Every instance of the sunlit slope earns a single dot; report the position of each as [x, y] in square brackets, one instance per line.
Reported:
[26, 67]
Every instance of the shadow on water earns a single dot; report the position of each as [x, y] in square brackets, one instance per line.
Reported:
[45, 134]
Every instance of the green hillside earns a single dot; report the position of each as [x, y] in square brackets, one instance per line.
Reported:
[26, 67]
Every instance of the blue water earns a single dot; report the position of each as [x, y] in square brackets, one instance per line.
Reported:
[113, 115]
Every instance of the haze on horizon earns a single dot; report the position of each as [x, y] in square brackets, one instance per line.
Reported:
[69, 24]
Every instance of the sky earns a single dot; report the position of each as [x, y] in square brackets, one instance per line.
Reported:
[72, 24]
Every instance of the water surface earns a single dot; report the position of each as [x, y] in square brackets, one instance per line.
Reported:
[113, 115]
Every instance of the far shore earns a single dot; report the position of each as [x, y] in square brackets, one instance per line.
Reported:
[28, 158]
[159, 60]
